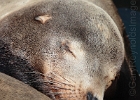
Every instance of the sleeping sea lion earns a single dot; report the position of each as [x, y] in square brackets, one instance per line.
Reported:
[67, 49]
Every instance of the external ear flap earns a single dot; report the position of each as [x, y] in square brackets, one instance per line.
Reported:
[43, 18]
[119, 86]
[110, 93]
[128, 84]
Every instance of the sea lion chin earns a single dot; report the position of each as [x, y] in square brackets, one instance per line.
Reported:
[72, 49]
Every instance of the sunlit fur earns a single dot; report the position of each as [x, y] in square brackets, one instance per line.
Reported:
[78, 50]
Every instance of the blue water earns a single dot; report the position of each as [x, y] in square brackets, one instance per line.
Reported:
[127, 16]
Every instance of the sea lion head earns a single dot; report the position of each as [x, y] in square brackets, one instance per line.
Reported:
[73, 45]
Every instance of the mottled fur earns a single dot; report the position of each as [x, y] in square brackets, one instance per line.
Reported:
[78, 50]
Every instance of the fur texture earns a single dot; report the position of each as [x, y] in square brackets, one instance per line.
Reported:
[77, 51]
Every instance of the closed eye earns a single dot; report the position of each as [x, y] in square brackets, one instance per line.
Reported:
[66, 47]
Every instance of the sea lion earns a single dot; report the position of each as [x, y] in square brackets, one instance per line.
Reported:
[11, 88]
[68, 50]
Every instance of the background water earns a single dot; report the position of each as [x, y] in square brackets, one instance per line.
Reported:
[130, 15]
[135, 41]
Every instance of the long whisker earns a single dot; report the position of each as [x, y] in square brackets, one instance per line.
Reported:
[61, 76]
[57, 87]
[72, 97]
[34, 72]
[51, 84]
[55, 93]
[58, 82]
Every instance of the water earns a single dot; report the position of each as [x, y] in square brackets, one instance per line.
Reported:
[131, 20]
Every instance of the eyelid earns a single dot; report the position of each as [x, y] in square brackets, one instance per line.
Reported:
[66, 47]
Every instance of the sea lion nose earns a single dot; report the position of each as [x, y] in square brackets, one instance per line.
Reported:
[90, 96]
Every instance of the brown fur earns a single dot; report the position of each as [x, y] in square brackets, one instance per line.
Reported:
[78, 50]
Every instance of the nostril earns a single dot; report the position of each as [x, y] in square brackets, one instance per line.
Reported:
[90, 96]
[94, 98]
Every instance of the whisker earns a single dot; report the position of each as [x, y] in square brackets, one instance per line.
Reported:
[34, 72]
[54, 93]
[58, 82]
[56, 87]
[61, 76]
